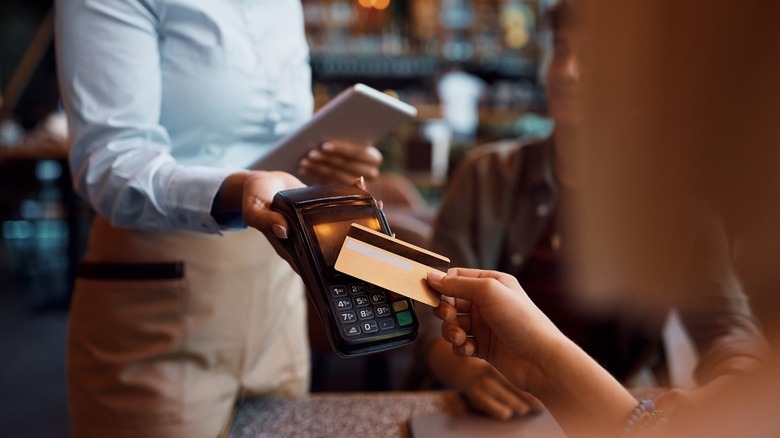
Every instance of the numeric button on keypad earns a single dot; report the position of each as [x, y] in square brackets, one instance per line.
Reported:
[383, 310]
[361, 300]
[369, 326]
[356, 288]
[378, 297]
[347, 317]
[366, 313]
[338, 291]
[342, 303]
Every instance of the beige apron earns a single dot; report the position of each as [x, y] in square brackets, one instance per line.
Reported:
[167, 330]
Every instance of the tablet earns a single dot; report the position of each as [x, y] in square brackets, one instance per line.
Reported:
[359, 113]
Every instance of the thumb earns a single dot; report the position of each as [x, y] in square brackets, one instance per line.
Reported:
[454, 285]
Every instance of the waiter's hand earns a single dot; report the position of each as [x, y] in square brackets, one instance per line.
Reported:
[252, 193]
[258, 194]
[341, 162]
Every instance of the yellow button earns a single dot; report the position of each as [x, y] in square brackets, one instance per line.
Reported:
[399, 306]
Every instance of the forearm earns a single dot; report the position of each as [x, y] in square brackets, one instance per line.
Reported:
[492, 317]
[583, 397]
[716, 310]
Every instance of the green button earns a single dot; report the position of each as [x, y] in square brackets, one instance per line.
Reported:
[403, 318]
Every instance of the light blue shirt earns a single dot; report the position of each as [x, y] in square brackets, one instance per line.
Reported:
[166, 98]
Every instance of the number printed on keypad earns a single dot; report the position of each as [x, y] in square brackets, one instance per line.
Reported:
[361, 300]
[347, 317]
[365, 313]
[343, 303]
[338, 291]
[364, 309]
[383, 310]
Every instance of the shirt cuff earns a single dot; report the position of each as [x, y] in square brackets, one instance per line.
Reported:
[191, 191]
[230, 221]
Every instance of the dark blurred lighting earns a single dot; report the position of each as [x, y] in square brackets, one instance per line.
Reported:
[48, 170]
[24, 229]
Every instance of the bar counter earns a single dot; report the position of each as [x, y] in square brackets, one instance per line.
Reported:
[378, 414]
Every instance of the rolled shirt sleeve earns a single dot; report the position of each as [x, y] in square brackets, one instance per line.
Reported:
[165, 99]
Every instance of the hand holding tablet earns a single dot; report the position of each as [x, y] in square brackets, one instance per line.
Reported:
[359, 114]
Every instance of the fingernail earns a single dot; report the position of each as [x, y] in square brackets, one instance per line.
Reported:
[436, 276]
[362, 183]
[279, 231]
[314, 153]
[328, 146]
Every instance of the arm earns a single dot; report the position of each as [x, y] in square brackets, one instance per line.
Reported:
[121, 159]
[455, 216]
[521, 342]
[716, 312]
[459, 233]
[717, 315]
[485, 389]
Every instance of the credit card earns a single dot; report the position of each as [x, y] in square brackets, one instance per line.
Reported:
[390, 263]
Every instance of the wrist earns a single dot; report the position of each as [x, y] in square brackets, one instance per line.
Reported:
[552, 362]
[229, 197]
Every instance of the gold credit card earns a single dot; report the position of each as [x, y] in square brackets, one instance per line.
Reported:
[390, 263]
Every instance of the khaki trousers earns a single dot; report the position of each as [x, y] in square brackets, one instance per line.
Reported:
[167, 330]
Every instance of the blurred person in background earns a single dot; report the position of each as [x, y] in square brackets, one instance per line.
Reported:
[179, 309]
[508, 208]
[632, 211]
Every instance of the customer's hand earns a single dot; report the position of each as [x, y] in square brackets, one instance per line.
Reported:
[341, 162]
[487, 314]
[508, 330]
[488, 391]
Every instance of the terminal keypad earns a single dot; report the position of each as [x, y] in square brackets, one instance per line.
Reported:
[364, 309]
